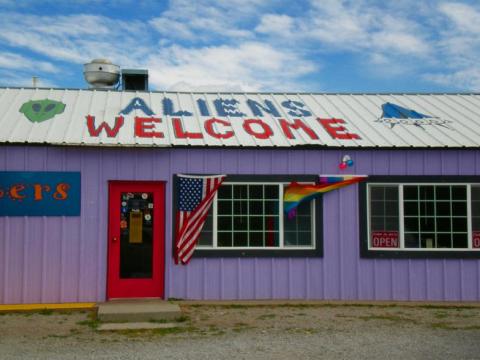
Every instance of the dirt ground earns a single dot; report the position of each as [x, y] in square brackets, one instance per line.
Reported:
[246, 332]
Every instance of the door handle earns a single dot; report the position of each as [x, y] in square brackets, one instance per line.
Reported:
[114, 239]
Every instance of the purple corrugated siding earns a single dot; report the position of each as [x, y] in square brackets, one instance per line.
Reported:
[52, 259]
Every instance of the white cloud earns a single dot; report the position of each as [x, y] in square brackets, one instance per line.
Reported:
[15, 61]
[468, 78]
[74, 38]
[399, 43]
[348, 26]
[203, 20]
[464, 17]
[257, 45]
[276, 25]
[238, 64]
[248, 67]
[457, 47]
[19, 79]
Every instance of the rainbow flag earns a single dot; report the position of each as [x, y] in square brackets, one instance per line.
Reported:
[296, 193]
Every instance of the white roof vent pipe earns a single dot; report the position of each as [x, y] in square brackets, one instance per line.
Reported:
[101, 74]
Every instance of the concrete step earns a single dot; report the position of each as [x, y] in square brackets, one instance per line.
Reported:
[138, 310]
[137, 326]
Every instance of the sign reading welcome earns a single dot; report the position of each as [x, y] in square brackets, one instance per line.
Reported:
[28, 193]
[218, 120]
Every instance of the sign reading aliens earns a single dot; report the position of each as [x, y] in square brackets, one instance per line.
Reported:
[40, 110]
[393, 114]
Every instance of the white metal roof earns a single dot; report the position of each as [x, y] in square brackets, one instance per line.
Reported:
[82, 117]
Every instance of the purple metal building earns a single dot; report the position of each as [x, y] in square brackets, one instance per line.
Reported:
[420, 153]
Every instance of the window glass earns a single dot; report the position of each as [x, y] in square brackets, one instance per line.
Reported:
[384, 209]
[440, 217]
[435, 216]
[206, 236]
[251, 216]
[475, 194]
[298, 230]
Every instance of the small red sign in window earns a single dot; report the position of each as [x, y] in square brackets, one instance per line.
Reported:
[385, 239]
[476, 239]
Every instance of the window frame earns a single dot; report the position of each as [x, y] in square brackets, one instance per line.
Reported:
[364, 213]
[317, 221]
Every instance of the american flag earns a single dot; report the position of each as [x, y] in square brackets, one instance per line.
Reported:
[195, 196]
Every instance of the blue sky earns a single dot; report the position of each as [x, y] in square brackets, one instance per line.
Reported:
[248, 45]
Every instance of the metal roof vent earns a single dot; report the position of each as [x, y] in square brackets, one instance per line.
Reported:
[135, 79]
[101, 73]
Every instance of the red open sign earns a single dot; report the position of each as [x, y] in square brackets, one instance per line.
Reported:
[385, 239]
[476, 239]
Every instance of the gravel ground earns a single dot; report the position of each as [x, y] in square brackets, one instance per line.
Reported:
[254, 332]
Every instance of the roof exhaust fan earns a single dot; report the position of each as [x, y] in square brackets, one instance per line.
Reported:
[101, 74]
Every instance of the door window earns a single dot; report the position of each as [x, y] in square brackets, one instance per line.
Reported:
[136, 235]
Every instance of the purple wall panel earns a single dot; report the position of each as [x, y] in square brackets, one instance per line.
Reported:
[468, 280]
[230, 279]
[435, 279]
[212, 278]
[32, 285]
[263, 279]
[418, 281]
[383, 279]
[400, 279]
[333, 271]
[280, 279]
[247, 278]
[51, 259]
[453, 288]
[296, 279]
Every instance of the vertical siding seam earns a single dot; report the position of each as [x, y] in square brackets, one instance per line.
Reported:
[307, 278]
[444, 277]
[392, 280]
[26, 237]
[44, 260]
[324, 214]
[187, 282]
[168, 246]
[341, 246]
[64, 236]
[357, 249]
[239, 279]
[255, 278]
[168, 236]
[289, 283]
[272, 279]
[62, 258]
[478, 280]
[461, 280]
[409, 282]
[81, 231]
[100, 273]
[204, 282]
[427, 273]
[222, 286]
[5, 259]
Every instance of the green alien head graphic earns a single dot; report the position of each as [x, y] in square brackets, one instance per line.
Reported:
[41, 110]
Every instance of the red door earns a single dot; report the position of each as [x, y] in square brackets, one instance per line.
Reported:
[136, 239]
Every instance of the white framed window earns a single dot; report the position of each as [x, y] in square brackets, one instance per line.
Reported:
[249, 216]
[420, 217]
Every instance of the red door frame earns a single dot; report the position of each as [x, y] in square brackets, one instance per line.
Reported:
[136, 288]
